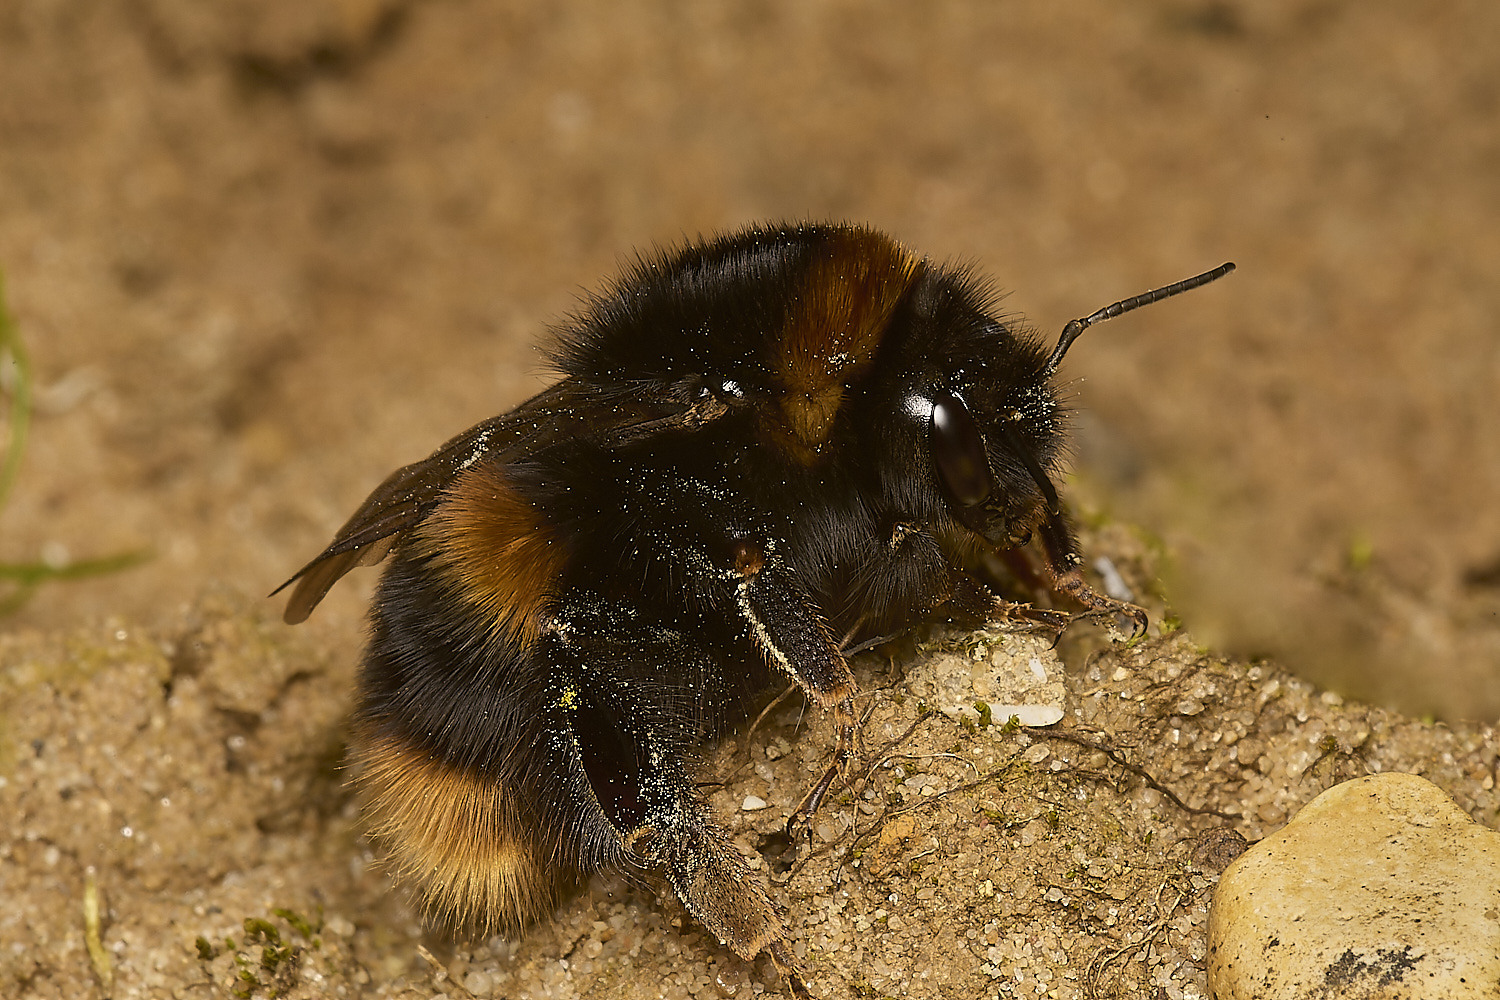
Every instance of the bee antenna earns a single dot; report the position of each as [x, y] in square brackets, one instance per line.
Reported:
[1075, 327]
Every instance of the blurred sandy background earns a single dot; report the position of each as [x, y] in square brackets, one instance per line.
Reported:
[263, 253]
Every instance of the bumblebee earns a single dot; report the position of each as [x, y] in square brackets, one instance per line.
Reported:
[764, 451]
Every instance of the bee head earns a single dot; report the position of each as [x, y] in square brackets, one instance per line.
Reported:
[968, 427]
[992, 465]
[986, 450]
[982, 420]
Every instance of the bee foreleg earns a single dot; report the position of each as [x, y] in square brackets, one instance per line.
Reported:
[974, 605]
[1065, 570]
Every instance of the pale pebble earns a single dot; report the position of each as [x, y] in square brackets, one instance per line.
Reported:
[1379, 888]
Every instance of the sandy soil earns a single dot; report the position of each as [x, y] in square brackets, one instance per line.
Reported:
[262, 253]
[192, 773]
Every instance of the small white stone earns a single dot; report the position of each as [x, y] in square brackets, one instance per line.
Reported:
[1380, 887]
[1011, 675]
[752, 803]
[1027, 715]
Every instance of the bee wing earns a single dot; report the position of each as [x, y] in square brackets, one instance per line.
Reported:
[565, 411]
[401, 502]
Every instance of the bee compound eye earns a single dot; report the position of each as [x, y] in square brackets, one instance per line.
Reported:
[958, 449]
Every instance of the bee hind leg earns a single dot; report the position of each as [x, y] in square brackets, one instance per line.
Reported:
[634, 698]
[720, 890]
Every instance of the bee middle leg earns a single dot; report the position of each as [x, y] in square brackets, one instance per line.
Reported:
[846, 756]
[792, 634]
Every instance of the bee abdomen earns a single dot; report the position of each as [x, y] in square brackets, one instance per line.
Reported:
[465, 838]
[495, 549]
